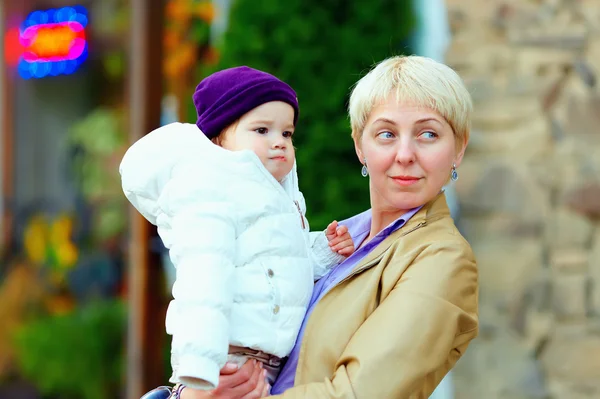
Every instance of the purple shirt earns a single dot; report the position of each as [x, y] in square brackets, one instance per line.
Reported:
[359, 227]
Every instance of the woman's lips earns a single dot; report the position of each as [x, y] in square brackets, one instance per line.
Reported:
[405, 180]
[280, 158]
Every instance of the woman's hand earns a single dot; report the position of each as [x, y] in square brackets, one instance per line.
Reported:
[247, 382]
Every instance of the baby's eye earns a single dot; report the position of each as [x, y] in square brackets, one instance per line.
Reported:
[288, 134]
[261, 130]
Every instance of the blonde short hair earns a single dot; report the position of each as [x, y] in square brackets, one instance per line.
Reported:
[418, 80]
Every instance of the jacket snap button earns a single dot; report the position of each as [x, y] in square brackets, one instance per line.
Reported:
[275, 309]
[270, 273]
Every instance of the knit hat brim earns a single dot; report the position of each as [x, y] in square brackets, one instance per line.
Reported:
[229, 106]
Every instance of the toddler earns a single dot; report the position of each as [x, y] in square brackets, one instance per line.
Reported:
[224, 195]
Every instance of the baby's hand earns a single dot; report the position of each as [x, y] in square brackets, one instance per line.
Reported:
[339, 239]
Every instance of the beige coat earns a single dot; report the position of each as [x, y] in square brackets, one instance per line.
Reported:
[399, 322]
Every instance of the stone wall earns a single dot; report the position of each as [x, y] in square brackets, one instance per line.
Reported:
[530, 193]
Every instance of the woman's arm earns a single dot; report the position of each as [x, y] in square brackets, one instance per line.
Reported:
[414, 337]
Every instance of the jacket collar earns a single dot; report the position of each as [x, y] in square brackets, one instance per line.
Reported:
[289, 182]
[435, 209]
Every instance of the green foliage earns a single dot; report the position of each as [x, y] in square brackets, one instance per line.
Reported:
[100, 140]
[321, 48]
[78, 355]
[99, 132]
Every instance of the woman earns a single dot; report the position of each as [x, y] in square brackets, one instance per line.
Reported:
[393, 319]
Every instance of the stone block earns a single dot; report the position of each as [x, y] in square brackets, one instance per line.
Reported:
[541, 61]
[505, 113]
[570, 296]
[500, 225]
[507, 267]
[481, 88]
[594, 267]
[521, 142]
[538, 328]
[499, 368]
[561, 388]
[573, 39]
[593, 54]
[589, 13]
[586, 73]
[503, 188]
[569, 261]
[469, 171]
[569, 166]
[524, 85]
[585, 200]
[583, 118]
[575, 361]
[571, 329]
[566, 229]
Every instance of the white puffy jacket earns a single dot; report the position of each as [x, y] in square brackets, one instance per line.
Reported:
[240, 243]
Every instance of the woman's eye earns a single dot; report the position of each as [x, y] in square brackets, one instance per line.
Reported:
[288, 134]
[261, 130]
[429, 135]
[386, 135]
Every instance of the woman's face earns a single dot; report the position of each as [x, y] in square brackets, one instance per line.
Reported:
[409, 152]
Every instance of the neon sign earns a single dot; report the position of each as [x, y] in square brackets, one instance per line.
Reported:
[53, 42]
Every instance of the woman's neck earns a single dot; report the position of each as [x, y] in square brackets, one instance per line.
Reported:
[381, 218]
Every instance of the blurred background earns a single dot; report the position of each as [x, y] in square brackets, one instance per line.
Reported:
[84, 281]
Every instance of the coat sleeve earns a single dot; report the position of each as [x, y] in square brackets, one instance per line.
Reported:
[166, 177]
[414, 337]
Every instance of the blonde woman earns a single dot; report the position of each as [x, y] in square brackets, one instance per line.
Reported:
[394, 317]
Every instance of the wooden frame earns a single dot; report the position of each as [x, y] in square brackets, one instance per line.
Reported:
[145, 337]
[10, 10]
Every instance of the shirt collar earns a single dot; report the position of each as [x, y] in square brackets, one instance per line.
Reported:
[361, 223]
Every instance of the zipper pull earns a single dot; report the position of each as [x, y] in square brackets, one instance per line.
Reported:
[418, 226]
[301, 217]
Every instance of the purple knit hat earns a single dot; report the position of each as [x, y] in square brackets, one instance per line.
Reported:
[225, 96]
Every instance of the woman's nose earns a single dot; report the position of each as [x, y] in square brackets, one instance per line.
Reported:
[406, 152]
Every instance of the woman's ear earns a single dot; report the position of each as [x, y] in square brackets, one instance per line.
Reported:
[461, 153]
[358, 149]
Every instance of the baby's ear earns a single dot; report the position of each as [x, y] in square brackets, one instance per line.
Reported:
[217, 140]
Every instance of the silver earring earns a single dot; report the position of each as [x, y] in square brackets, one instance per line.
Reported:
[364, 171]
[454, 173]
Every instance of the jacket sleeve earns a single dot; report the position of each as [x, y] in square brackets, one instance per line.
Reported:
[166, 177]
[202, 247]
[321, 255]
[414, 337]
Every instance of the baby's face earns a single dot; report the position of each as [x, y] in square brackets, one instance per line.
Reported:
[267, 130]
